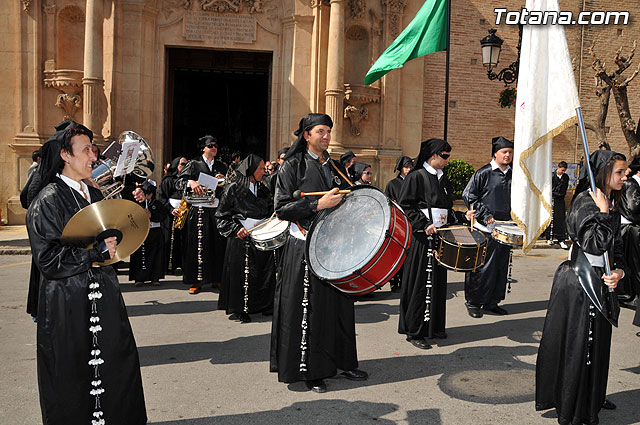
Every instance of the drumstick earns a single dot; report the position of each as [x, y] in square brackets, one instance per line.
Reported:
[299, 194]
[447, 228]
[261, 224]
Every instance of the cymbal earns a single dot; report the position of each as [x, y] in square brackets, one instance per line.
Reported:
[111, 216]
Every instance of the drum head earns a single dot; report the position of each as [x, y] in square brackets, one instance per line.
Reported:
[345, 238]
[509, 229]
[462, 236]
[270, 230]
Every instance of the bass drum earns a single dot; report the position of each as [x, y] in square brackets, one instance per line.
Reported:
[360, 244]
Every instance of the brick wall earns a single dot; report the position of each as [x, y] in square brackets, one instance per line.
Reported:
[474, 114]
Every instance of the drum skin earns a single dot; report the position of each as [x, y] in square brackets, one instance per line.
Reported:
[385, 261]
[508, 234]
[271, 237]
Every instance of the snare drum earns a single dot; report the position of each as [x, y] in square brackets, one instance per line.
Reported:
[360, 244]
[508, 234]
[271, 236]
[461, 249]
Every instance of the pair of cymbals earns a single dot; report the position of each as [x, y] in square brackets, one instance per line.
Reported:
[110, 217]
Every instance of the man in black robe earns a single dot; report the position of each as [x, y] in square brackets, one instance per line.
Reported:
[147, 262]
[203, 245]
[559, 186]
[313, 332]
[573, 358]
[426, 199]
[170, 197]
[403, 166]
[629, 288]
[489, 194]
[85, 345]
[248, 280]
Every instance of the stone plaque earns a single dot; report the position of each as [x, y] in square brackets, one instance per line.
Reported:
[226, 29]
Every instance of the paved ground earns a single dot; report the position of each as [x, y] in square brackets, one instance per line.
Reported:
[199, 368]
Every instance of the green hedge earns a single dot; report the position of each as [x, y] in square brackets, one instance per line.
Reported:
[458, 171]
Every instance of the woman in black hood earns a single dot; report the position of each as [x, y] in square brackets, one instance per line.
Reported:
[248, 276]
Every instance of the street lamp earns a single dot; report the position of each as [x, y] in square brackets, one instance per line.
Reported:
[491, 47]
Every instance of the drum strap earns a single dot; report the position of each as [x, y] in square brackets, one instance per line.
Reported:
[340, 172]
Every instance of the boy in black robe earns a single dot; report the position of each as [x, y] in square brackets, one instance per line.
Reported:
[403, 166]
[248, 279]
[489, 194]
[313, 332]
[203, 245]
[559, 185]
[85, 345]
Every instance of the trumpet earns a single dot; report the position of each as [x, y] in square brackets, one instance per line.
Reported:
[191, 198]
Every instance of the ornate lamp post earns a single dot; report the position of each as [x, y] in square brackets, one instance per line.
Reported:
[491, 47]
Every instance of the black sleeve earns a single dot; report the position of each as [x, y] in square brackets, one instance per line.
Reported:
[288, 208]
[473, 194]
[411, 197]
[227, 226]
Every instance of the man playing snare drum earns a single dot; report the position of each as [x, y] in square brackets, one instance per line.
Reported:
[313, 331]
[489, 193]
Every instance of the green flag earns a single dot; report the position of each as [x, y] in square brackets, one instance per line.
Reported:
[427, 33]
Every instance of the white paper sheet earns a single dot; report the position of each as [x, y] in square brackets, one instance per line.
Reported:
[127, 159]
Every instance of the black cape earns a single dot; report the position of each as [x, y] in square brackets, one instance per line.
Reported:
[63, 338]
[239, 203]
[204, 267]
[393, 188]
[489, 192]
[559, 185]
[330, 334]
[147, 264]
[630, 209]
[423, 190]
[571, 370]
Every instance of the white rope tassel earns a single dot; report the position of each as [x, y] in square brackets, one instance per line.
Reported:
[95, 361]
[427, 307]
[592, 318]
[246, 276]
[173, 230]
[509, 280]
[305, 312]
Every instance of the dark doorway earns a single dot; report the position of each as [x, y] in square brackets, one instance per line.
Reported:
[218, 92]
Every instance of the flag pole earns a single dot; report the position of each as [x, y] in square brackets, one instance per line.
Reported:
[592, 180]
[446, 84]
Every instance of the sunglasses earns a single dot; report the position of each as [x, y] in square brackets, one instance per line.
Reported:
[444, 155]
[211, 146]
[367, 172]
[184, 164]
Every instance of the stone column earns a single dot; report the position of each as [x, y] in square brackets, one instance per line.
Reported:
[92, 81]
[335, 71]
[319, 41]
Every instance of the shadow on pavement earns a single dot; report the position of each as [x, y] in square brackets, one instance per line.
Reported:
[320, 411]
[519, 330]
[172, 283]
[374, 313]
[627, 412]
[180, 307]
[253, 348]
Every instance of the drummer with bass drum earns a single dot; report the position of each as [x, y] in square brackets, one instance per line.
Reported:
[313, 332]
[489, 193]
[248, 276]
[425, 197]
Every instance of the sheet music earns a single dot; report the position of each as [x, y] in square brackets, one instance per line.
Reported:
[208, 181]
[127, 159]
[250, 223]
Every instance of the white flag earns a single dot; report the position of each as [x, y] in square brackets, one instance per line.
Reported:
[545, 106]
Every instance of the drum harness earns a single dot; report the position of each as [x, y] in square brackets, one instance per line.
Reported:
[305, 296]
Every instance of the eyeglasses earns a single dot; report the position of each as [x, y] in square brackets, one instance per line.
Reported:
[211, 146]
[444, 155]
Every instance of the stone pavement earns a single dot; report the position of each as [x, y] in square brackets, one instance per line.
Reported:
[200, 368]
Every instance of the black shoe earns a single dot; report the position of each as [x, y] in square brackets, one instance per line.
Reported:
[473, 310]
[638, 334]
[419, 343]
[440, 335]
[608, 405]
[316, 385]
[245, 318]
[355, 375]
[496, 310]
[234, 316]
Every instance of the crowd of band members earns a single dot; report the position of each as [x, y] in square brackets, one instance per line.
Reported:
[213, 250]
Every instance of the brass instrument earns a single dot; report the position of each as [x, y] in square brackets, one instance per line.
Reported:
[181, 218]
[191, 198]
[104, 170]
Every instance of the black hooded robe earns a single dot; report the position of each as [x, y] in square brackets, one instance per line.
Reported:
[557, 230]
[168, 192]
[238, 203]
[330, 334]
[202, 265]
[64, 342]
[393, 188]
[489, 192]
[147, 263]
[630, 210]
[420, 190]
[571, 373]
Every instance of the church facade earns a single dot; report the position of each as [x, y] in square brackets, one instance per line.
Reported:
[246, 71]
